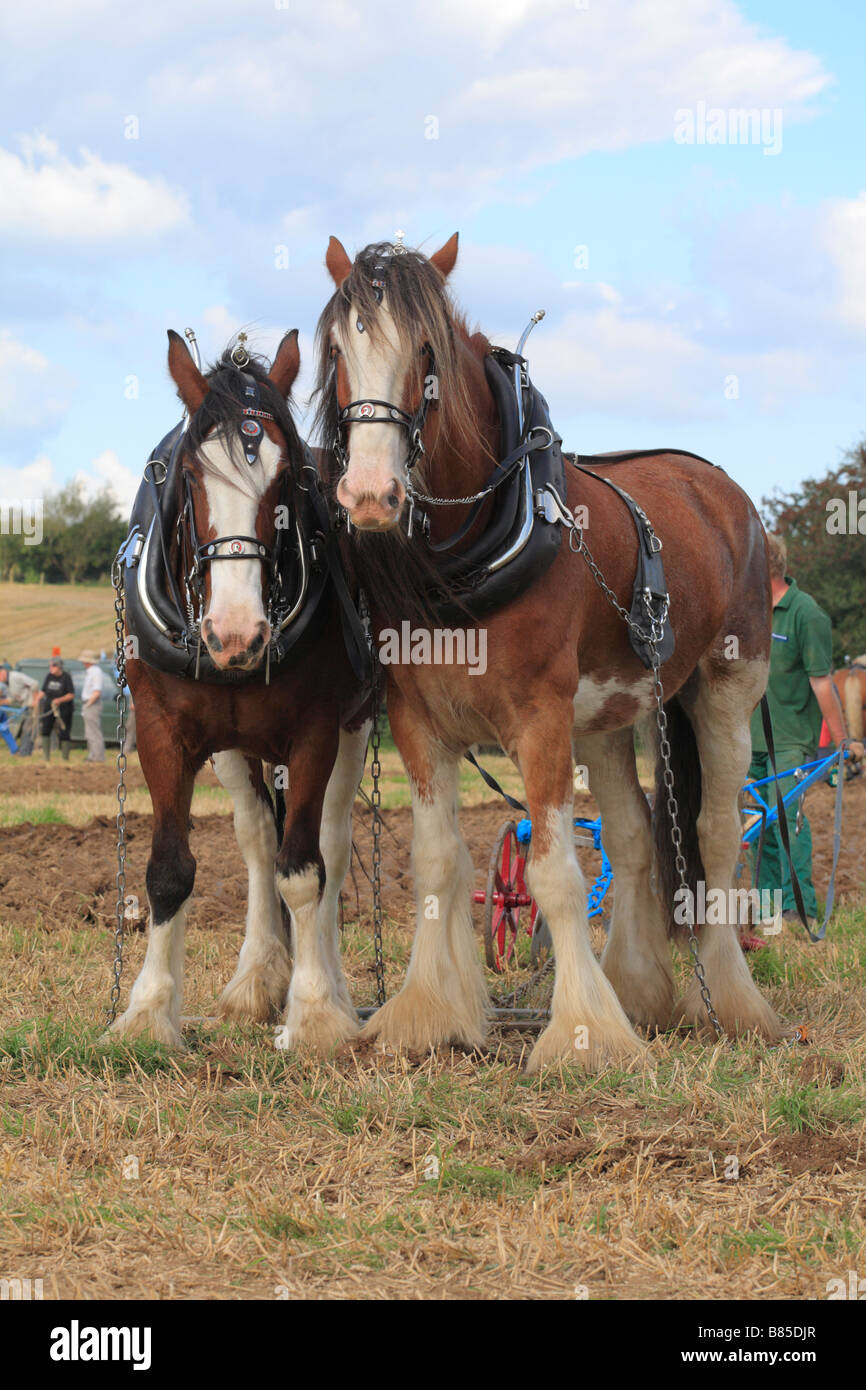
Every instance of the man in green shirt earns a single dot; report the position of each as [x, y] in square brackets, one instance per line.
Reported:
[800, 691]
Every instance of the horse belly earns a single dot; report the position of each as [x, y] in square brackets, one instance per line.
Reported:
[603, 704]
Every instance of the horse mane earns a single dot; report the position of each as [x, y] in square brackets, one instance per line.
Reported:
[400, 572]
[222, 409]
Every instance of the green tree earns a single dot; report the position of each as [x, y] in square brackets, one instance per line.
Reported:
[80, 538]
[829, 564]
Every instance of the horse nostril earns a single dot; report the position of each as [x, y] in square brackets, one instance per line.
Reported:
[393, 500]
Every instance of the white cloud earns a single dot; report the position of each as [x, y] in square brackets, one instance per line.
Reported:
[31, 481]
[34, 393]
[607, 359]
[787, 273]
[106, 470]
[842, 233]
[39, 478]
[48, 197]
[323, 100]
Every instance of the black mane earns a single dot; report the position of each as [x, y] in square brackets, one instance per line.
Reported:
[223, 407]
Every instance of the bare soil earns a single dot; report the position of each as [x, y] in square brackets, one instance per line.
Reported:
[58, 874]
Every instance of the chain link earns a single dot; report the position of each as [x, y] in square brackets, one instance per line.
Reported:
[121, 703]
[450, 501]
[511, 999]
[656, 629]
[376, 801]
[677, 839]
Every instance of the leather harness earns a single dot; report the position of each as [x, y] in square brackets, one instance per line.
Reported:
[301, 565]
[524, 531]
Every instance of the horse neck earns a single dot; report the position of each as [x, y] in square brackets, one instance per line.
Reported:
[460, 469]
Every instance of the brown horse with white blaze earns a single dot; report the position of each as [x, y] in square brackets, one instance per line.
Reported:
[305, 719]
[561, 680]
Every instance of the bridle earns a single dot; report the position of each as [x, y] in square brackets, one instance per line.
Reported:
[536, 439]
[412, 421]
[232, 547]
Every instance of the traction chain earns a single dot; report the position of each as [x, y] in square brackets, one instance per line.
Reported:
[121, 702]
[656, 628]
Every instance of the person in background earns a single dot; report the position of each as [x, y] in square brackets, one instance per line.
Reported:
[91, 707]
[20, 691]
[58, 694]
[799, 692]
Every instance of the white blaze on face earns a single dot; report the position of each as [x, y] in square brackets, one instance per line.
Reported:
[235, 613]
[377, 453]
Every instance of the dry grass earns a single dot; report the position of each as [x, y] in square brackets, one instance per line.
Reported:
[54, 794]
[37, 617]
[262, 1175]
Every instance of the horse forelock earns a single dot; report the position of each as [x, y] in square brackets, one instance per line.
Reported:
[422, 314]
[214, 430]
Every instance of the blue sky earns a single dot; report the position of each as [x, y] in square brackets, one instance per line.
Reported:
[719, 304]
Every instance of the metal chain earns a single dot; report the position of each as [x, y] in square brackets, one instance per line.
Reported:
[121, 703]
[375, 799]
[513, 998]
[677, 839]
[376, 802]
[653, 638]
[450, 501]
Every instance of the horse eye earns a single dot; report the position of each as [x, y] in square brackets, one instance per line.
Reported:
[359, 326]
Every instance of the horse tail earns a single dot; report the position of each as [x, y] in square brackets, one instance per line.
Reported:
[686, 769]
[854, 694]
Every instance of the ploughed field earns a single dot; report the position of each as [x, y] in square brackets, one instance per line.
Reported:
[239, 1171]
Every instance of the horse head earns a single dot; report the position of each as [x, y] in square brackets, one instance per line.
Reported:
[234, 465]
[387, 356]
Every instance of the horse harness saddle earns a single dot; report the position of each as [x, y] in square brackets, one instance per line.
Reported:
[524, 533]
[302, 562]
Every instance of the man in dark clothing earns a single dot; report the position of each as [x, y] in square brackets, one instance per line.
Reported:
[56, 699]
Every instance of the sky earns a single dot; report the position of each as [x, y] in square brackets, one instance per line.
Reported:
[183, 163]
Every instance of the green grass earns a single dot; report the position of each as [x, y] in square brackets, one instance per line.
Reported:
[36, 1046]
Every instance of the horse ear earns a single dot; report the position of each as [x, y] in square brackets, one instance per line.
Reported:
[191, 385]
[337, 261]
[286, 364]
[445, 258]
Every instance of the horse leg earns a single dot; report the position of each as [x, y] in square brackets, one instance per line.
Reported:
[443, 999]
[335, 841]
[260, 983]
[319, 1014]
[157, 995]
[587, 1025]
[719, 702]
[637, 957]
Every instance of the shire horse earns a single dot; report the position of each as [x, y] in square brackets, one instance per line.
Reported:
[561, 682]
[293, 721]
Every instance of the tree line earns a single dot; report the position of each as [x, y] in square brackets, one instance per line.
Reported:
[823, 522]
[80, 537]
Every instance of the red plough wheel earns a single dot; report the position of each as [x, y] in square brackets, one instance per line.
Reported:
[504, 899]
